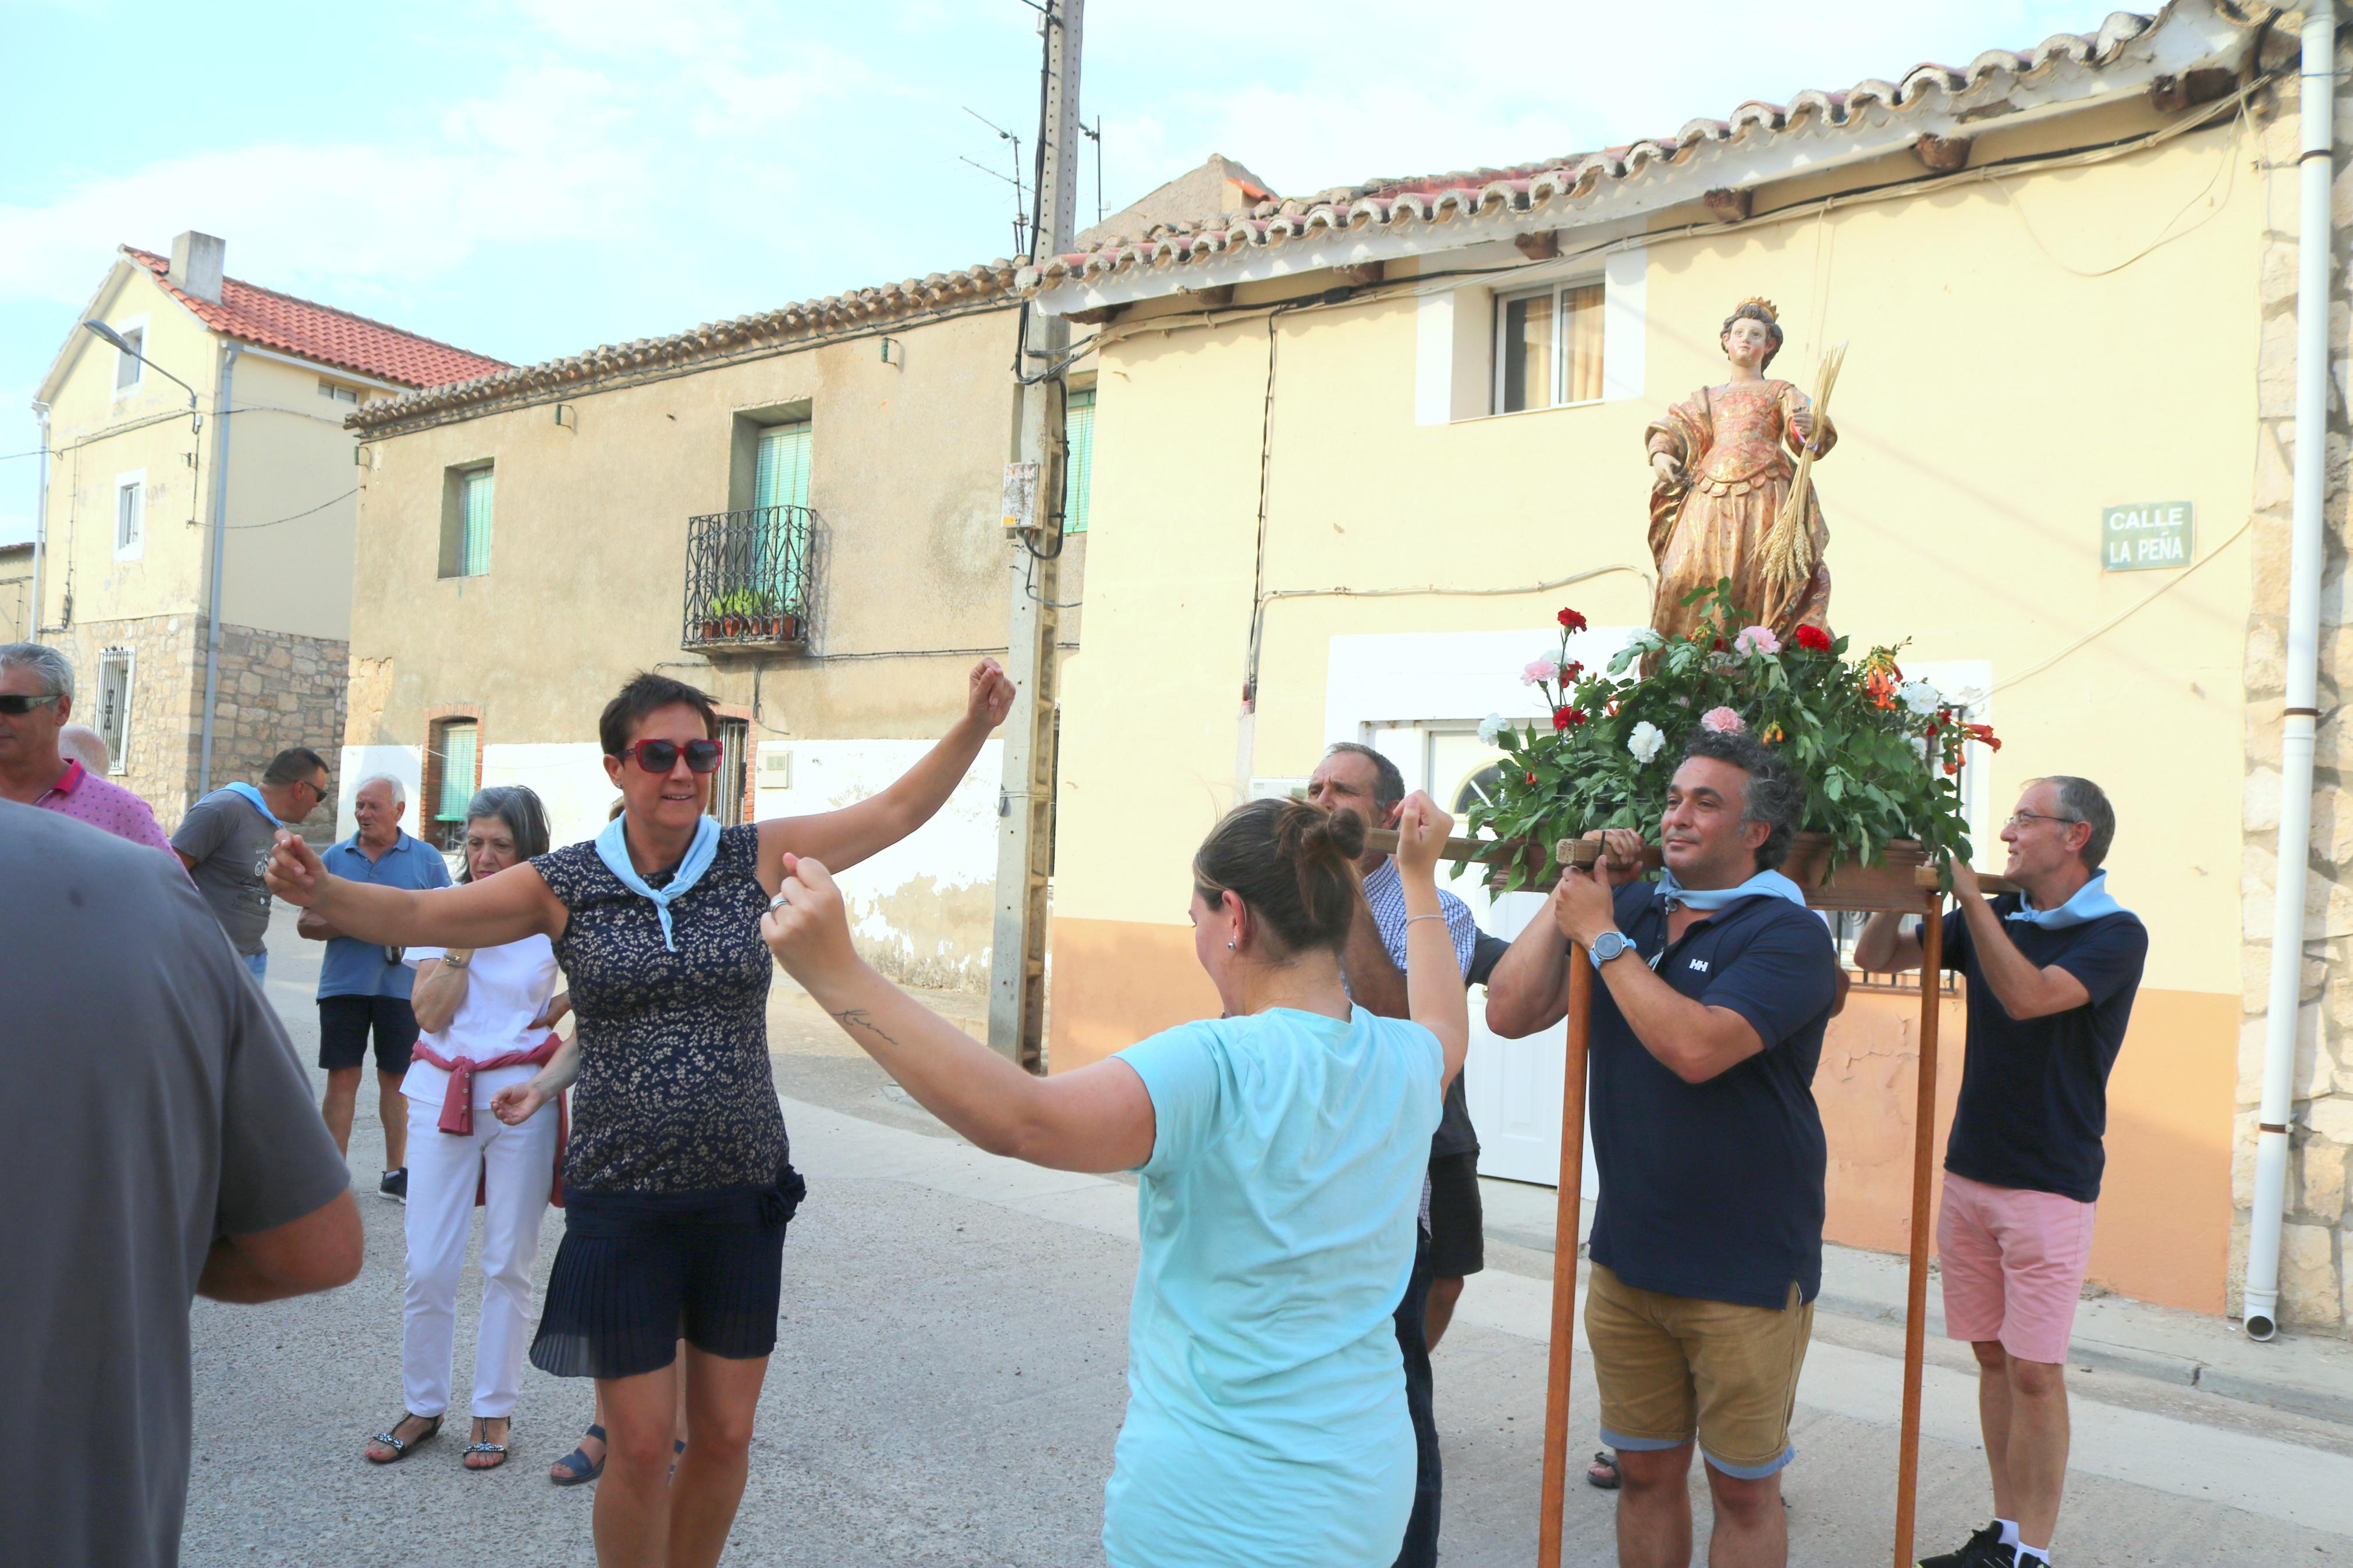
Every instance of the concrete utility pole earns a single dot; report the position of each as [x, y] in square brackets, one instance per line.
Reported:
[1017, 986]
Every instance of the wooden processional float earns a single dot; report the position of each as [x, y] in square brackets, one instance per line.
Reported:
[1902, 882]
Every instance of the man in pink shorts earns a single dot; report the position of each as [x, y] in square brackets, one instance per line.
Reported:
[2052, 974]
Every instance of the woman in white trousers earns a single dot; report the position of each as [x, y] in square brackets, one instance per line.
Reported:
[484, 1017]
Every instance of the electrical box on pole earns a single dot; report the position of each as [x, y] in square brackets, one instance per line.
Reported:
[1033, 529]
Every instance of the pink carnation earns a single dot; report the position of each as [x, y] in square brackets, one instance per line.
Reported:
[1722, 720]
[1540, 670]
[1754, 640]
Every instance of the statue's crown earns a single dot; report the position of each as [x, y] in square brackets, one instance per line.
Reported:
[1771, 314]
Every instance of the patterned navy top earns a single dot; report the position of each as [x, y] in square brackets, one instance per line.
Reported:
[675, 1093]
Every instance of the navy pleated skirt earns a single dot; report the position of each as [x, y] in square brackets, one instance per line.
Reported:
[638, 1271]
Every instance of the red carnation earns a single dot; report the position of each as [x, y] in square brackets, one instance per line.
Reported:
[1562, 717]
[1531, 778]
[1813, 639]
[1571, 671]
[1571, 621]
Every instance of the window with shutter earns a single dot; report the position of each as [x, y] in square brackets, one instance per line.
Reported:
[129, 516]
[474, 557]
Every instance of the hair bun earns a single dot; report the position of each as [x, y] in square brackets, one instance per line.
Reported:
[1345, 832]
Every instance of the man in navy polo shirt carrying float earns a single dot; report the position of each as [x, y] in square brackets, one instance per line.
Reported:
[2052, 975]
[1715, 985]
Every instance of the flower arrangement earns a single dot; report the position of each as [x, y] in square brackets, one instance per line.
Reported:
[1880, 754]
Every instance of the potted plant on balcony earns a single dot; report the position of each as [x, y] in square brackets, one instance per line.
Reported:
[1880, 753]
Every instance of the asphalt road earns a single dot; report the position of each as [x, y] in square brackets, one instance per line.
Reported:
[951, 1375]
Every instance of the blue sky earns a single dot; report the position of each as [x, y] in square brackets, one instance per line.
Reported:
[529, 178]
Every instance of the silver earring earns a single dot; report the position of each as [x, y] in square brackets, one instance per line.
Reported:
[1230, 947]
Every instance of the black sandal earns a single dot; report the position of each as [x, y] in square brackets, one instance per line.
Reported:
[1603, 1471]
[400, 1450]
[497, 1449]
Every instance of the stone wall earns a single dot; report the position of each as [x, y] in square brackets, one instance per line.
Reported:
[276, 690]
[2317, 1244]
[159, 764]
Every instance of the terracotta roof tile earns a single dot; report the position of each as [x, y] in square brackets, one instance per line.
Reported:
[941, 292]
[322, 333]
[1433, 199]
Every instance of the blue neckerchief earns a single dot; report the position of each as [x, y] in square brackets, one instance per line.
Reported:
[2091, 901]
[612, 848]
[252, 798]
[1764, 885]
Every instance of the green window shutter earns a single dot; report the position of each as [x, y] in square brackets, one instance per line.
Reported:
[782, 478]
[474, 557]
[1078, 469]
[458, 741]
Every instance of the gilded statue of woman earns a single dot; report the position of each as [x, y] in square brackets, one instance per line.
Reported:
[1725, 459]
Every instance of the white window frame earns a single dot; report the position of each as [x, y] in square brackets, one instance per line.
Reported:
[138, 381]
[339, 391]
[136, 547]
[1558, 371]
[1458, 332]
[119, 743]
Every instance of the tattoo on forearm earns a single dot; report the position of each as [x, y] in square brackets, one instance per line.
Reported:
[858, 1018]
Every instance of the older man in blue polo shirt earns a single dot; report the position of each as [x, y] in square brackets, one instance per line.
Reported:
[1715, 985]
[364, 988]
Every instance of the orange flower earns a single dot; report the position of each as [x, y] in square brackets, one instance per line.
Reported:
[1772, 735]
[1881, 688]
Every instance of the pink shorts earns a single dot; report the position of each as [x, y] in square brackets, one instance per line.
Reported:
[2013, 1264]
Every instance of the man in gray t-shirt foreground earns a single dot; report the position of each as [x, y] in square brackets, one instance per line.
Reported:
[226, 838]
[157, 1141]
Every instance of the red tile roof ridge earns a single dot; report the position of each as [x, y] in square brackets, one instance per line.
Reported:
[907, 298]
[1436, 198]
[326, 334]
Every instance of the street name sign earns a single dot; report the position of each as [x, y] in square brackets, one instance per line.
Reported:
[2144, 536]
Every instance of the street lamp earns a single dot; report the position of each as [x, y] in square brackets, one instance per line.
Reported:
[123, 345]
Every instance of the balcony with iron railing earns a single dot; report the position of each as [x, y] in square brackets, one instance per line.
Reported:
[747, 578]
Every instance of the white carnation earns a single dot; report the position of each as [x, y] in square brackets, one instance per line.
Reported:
[1920, 697]
[1645, 742]
[1491, 727]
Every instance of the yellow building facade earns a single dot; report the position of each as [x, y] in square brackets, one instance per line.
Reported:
[215, 423]
[1354, 497]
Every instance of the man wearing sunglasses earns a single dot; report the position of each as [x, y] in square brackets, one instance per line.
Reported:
[35, 699]
[226, 838]
[2051, 972]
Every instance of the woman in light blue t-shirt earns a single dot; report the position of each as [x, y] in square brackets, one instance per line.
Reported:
[1281, 1150]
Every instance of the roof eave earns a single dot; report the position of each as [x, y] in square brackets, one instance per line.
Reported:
[1817, 134]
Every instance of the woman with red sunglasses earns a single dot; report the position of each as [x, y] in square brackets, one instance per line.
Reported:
[678, 1179]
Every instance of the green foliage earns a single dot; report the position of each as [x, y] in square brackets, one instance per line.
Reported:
[1878, 753]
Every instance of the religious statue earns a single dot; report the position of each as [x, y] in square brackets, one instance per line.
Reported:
[1728, 460]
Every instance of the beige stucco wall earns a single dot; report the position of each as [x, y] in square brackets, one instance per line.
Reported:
[588, 543]
[292, 502]
[587, 582]
[2021, 357]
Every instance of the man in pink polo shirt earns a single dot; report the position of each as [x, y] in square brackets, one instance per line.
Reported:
[35, 699]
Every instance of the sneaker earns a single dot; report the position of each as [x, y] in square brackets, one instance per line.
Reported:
[395, 1185]
[1977, 1553]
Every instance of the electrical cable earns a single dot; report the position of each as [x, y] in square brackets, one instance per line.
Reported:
[293, 517]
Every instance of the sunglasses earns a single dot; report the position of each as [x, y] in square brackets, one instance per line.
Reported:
[660, 756]
[13, 704]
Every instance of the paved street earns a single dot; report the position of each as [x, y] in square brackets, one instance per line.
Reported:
[951, 1375]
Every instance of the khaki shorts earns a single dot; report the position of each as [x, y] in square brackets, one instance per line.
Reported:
[1673, 1368]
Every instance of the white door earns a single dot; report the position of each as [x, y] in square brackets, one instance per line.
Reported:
[1512, 1087]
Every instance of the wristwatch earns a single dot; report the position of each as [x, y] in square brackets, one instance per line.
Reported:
[1609, 945]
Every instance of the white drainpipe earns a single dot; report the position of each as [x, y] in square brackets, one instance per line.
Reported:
[2318, 97]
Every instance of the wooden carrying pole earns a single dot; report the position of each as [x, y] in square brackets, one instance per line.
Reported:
[1923, 1178]
[1567, 1213]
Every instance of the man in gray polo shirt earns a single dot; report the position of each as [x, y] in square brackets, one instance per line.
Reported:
[157, 1142]
[226, 840]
